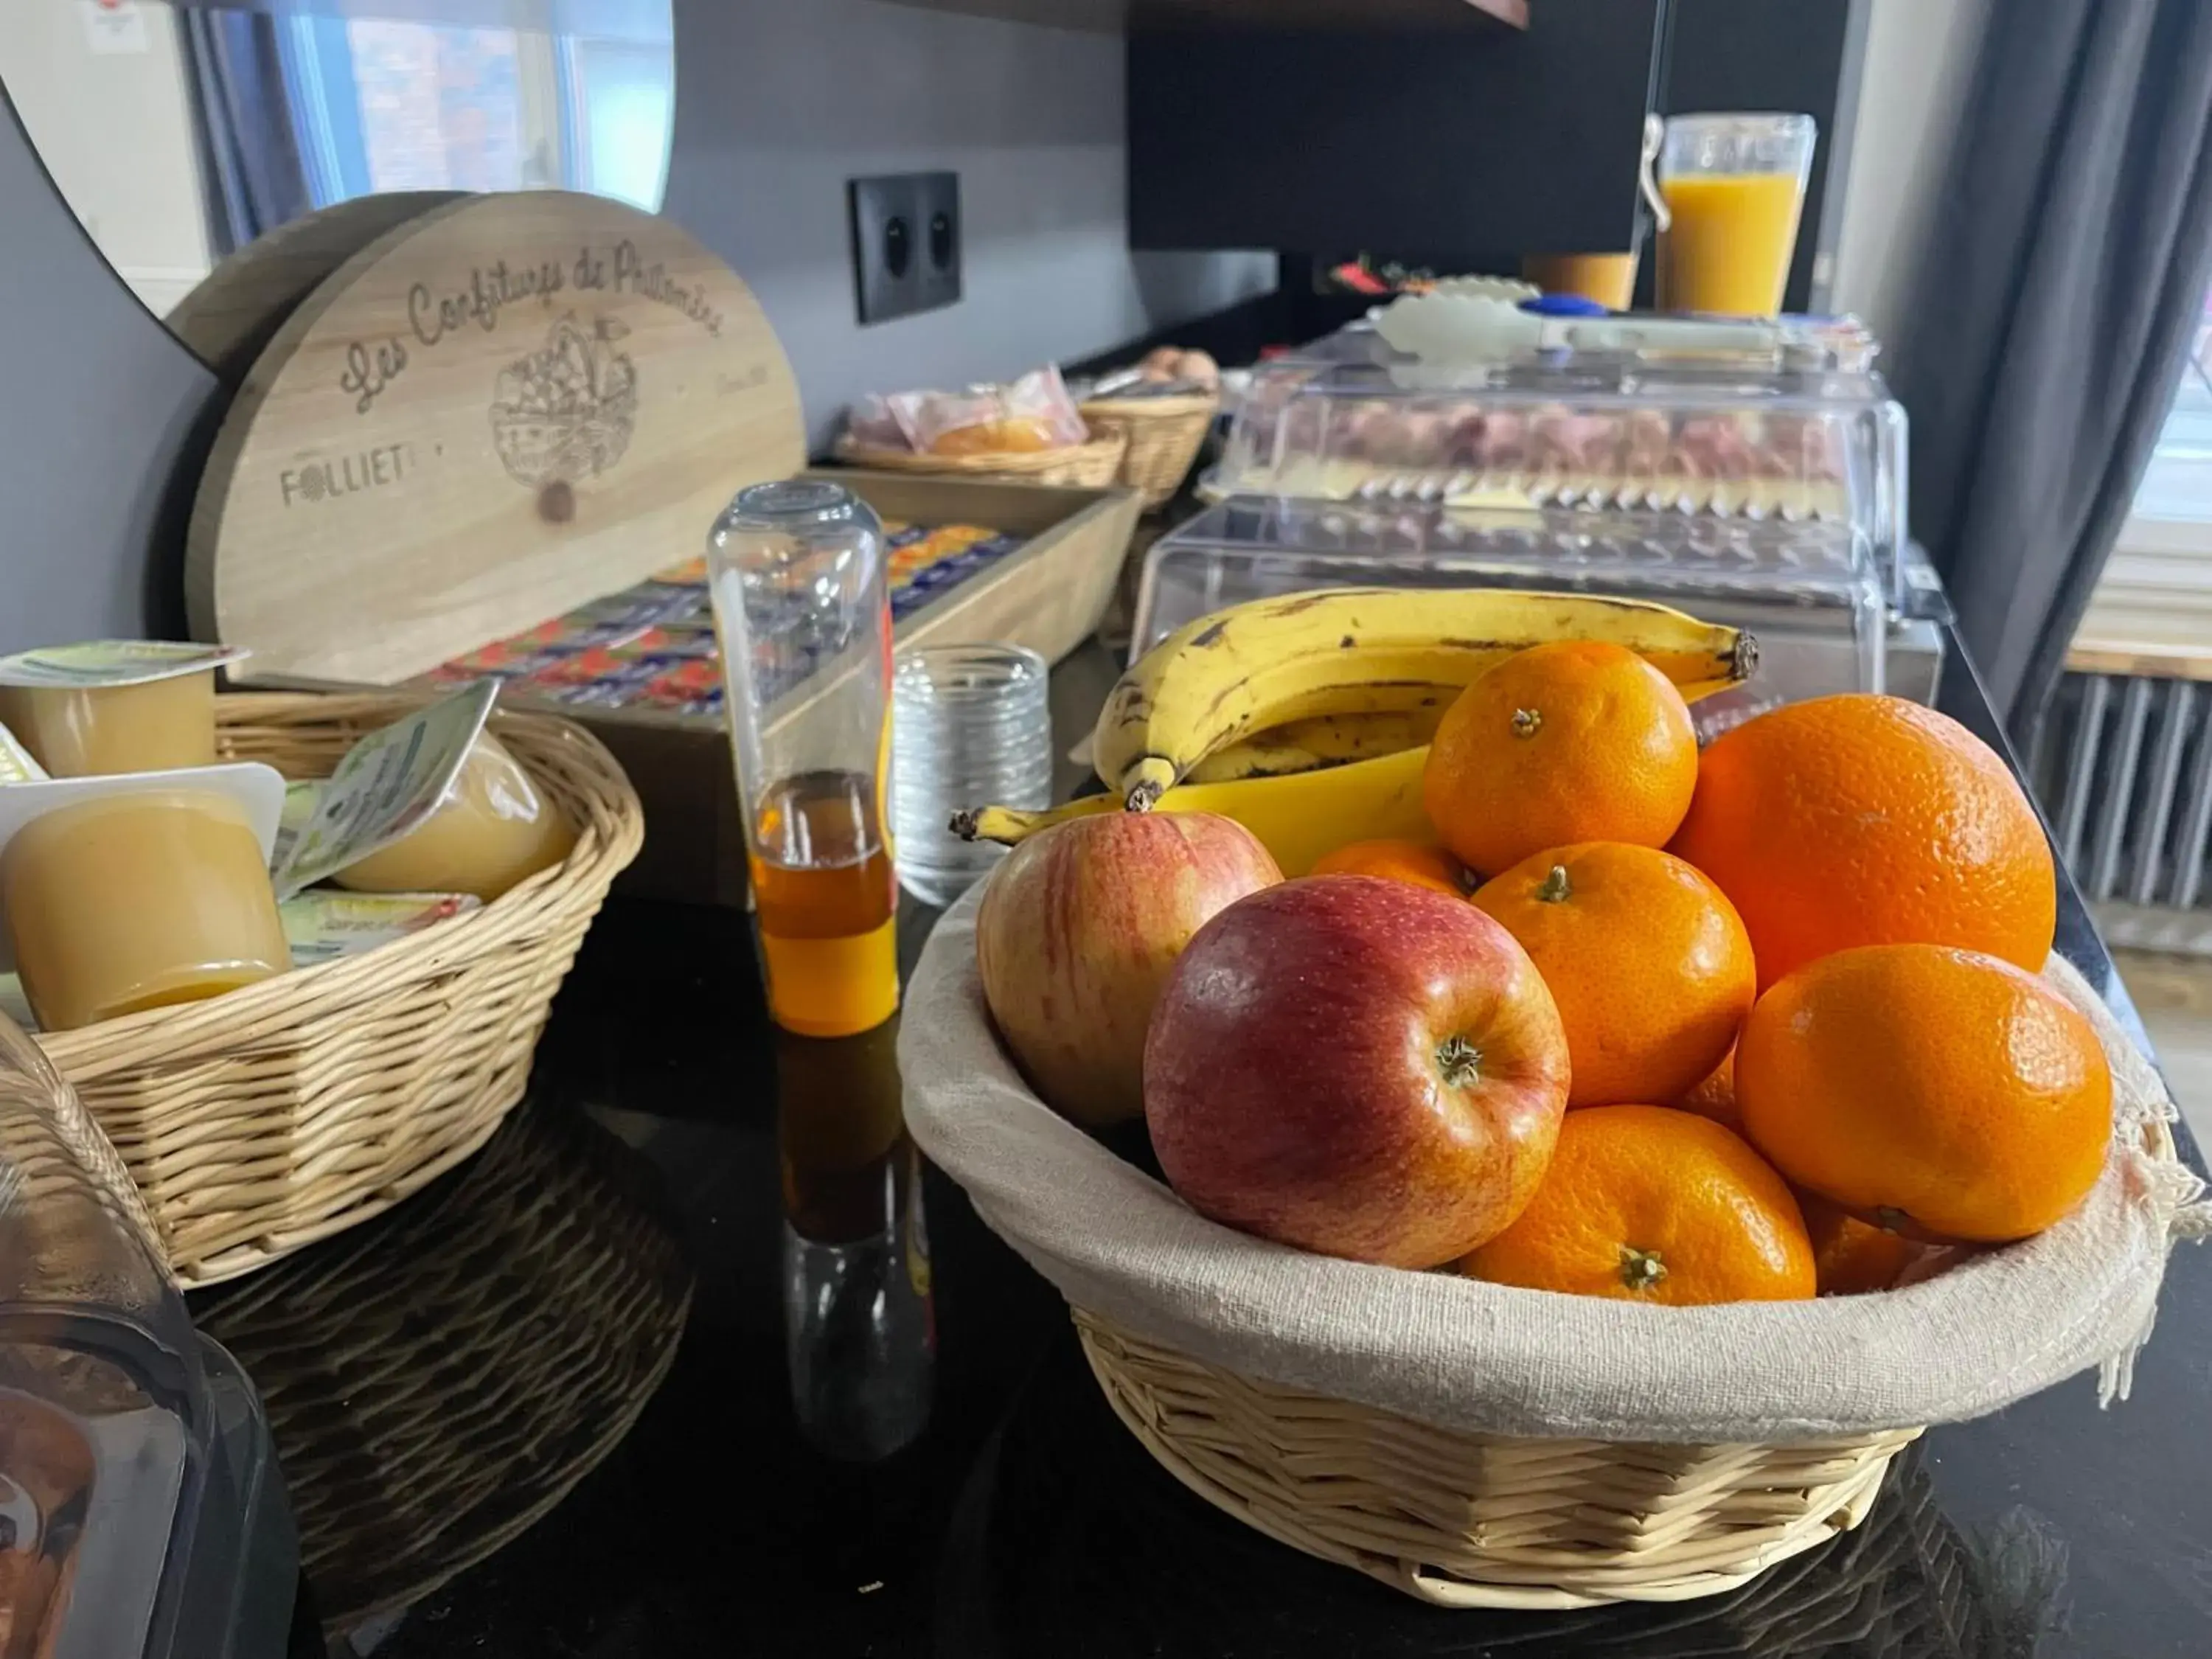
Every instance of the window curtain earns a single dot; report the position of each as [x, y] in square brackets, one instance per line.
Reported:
[2071, 247]
[255, 178]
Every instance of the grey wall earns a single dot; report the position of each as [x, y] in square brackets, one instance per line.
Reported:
[104, 419]
[779, 102]
[1920, 54]
[98, 406]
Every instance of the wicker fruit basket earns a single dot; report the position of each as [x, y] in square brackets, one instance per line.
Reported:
[1483, 1520]
[1478, 1446]
[1164, 434]
[259, 1121]
[1091, 466]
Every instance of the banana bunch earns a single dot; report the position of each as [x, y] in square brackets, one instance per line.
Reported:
[1307, 718]
[1297, 816]
[1358, 654]
[1310, 745]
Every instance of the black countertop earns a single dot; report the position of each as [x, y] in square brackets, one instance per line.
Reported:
[695, 1359]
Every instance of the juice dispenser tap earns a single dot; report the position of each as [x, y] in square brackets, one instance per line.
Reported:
[803, 613]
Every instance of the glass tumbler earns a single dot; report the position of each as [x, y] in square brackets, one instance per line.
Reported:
[970, 726]
[1735, 186]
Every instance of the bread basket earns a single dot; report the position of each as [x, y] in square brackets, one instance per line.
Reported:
[1164, 434]
[259, 1121]
[1091, 466]
[1478, 1446]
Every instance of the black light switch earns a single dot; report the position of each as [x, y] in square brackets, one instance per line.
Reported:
[906, 243]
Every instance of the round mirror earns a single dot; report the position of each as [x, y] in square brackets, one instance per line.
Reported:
[186, 133]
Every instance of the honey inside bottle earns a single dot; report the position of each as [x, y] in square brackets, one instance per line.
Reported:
[825, 895]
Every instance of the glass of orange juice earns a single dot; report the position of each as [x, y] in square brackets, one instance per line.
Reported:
[1735, 186]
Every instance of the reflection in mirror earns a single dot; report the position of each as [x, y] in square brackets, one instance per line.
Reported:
[180, 133]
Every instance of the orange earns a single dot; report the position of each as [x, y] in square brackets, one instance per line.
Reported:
[1650, 1204]
[1716, 1096]
[1869, 820]
[1850, 1256]
[1397, 860]
[1650, 967]
[1931, 1091]
[1578, 740]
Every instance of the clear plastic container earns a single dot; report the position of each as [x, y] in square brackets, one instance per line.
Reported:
[142, 1511]
[972, 726]
[802, 610]
[1809, 590]
[1753, 424]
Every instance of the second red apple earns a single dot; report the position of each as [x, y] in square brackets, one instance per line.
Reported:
[1357, 1066]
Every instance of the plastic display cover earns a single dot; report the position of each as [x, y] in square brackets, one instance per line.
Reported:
[1801, 431]
[1810, 592]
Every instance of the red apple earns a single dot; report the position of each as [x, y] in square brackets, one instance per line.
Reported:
[1357, 1066]
[1076, 935]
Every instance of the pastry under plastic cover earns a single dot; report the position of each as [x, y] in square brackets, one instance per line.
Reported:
[1714, 434]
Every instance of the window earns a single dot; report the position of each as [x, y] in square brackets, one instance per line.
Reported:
[384, 105]
[626, 93]
[2156, 592]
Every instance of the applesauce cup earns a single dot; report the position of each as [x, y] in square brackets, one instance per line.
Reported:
[96, 731]
[494, 829]
[137, 901]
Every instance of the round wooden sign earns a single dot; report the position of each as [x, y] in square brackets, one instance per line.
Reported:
[499, 409]
[233, 312]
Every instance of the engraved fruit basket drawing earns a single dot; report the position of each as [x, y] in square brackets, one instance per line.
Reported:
[566, 411]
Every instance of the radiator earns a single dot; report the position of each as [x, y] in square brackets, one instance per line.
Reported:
[2123, 767]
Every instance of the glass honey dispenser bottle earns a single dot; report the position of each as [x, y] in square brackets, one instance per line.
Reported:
[803, 617]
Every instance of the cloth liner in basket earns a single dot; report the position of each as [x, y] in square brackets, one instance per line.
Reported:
[1270, 1324]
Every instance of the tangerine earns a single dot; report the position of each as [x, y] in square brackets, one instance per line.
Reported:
[1396, 861]
[1851, 1257]
[1929, 1090]
[1862, 819]
[1652, 968]
[1716, 1096]
[1573, 741]
[1649, 1203]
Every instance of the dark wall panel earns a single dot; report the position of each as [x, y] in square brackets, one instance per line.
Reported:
[1464, 146]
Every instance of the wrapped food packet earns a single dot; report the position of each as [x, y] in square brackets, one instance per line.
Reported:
[1031, 414]
[874, 424]
[970, 424]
